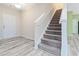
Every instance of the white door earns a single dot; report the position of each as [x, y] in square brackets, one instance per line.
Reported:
[9, 26]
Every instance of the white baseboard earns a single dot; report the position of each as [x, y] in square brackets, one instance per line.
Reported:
[1, 38]
[26, 37]
[9, 37]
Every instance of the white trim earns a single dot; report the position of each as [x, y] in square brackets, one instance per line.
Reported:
[63, 21]
[2, 38]
[26, 37]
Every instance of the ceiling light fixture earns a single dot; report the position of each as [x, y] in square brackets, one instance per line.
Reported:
[19, 6]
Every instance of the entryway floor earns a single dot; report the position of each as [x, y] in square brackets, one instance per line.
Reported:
[20, 46]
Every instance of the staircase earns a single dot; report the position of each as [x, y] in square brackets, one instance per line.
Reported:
[51, 41]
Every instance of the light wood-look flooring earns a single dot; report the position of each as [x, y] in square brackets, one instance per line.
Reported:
[73, 45]
[20, 46]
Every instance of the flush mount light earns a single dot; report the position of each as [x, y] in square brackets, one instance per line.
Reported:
[19, 6]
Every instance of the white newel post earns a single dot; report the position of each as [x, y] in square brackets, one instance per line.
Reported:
[63, 21]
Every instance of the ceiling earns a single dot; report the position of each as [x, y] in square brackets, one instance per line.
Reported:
[18, 6]
[74, 7]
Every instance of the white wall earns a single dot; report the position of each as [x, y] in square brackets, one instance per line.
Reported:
[57, 5]
[11, 11]
[30, 14]
[73, 7]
